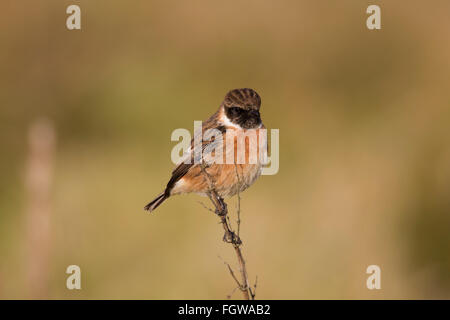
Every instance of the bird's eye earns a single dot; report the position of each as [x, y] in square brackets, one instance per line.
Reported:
[235, 110]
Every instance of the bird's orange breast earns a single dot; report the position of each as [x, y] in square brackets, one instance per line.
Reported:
[241, 165]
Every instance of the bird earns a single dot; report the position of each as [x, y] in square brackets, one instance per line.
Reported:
[238, 114]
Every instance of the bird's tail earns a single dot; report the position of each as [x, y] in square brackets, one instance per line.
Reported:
[156, 202]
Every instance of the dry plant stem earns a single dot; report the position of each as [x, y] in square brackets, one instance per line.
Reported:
[230, 236]
[39, 179]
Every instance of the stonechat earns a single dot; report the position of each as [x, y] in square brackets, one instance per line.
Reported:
[236, 169]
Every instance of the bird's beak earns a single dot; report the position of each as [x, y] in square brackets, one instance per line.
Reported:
[255, 113]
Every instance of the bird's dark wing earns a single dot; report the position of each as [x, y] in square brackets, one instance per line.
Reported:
[182, 168]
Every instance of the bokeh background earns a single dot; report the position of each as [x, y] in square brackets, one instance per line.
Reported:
[364, 120]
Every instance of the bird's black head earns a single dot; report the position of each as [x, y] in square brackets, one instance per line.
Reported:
[241, 106]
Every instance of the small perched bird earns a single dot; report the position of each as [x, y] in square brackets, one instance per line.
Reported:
[237, 114]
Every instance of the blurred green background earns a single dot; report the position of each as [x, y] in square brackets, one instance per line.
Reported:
[364, 147]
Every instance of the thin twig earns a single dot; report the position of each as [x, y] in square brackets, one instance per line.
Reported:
[232, 274]
[253, 292]
[232, 292]
[206, 207]
[230, 236]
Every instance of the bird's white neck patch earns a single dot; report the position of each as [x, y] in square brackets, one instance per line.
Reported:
[227, 122]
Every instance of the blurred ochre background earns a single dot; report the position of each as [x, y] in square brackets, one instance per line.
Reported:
[364, 147]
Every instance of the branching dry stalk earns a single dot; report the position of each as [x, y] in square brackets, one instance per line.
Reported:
[230, 236]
